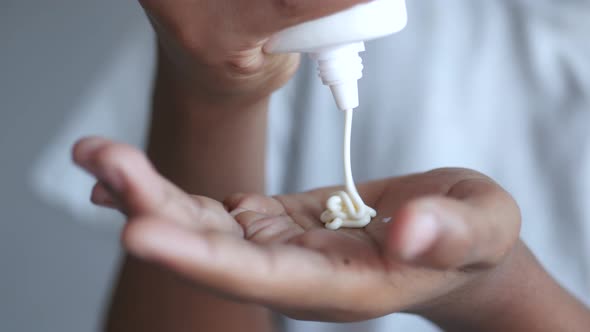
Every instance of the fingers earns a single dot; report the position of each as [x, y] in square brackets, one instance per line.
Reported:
[292, 12]
[262, 218]
[103, 196]
[253, 202]
[226, 263]
[474, 226]
[128, 181]
[259, 18]
[125, 171]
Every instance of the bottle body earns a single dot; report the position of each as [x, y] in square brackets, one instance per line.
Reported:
[335, 42]
[360, 23]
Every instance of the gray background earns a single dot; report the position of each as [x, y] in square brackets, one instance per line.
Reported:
[55, 271]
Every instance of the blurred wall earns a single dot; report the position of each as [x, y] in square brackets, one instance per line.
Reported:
[54, 270]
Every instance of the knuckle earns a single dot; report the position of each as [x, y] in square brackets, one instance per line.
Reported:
[246, 62]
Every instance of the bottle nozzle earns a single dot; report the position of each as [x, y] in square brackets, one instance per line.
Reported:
[346, 94]
[340, 68]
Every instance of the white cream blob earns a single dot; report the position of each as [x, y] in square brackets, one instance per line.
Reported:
[346, 208]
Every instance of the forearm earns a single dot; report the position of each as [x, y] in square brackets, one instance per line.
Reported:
[520, 296]
[206, 148]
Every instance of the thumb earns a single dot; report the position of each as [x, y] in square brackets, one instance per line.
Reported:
[266, 17]
[291, 12]
[473, 226]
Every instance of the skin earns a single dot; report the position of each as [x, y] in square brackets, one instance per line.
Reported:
[210, 107]
[275, 252]
[226, 62]
[207, 136]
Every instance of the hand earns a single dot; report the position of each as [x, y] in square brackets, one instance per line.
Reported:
[216, 45]
[451, 232]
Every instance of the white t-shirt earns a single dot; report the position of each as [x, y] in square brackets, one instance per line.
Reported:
[501, 86]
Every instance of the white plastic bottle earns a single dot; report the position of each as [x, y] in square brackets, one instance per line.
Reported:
[335, 42]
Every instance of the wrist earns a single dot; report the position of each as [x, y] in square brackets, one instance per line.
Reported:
[208, 136]
[518, 295]
[224, 84]
[488, 302]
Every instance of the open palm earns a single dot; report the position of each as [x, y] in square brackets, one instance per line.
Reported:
[435, 232]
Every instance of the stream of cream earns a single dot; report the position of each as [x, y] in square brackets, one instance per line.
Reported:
[346, 208]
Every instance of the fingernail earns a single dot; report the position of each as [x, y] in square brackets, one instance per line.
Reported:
[419, 236]
[101, 196]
